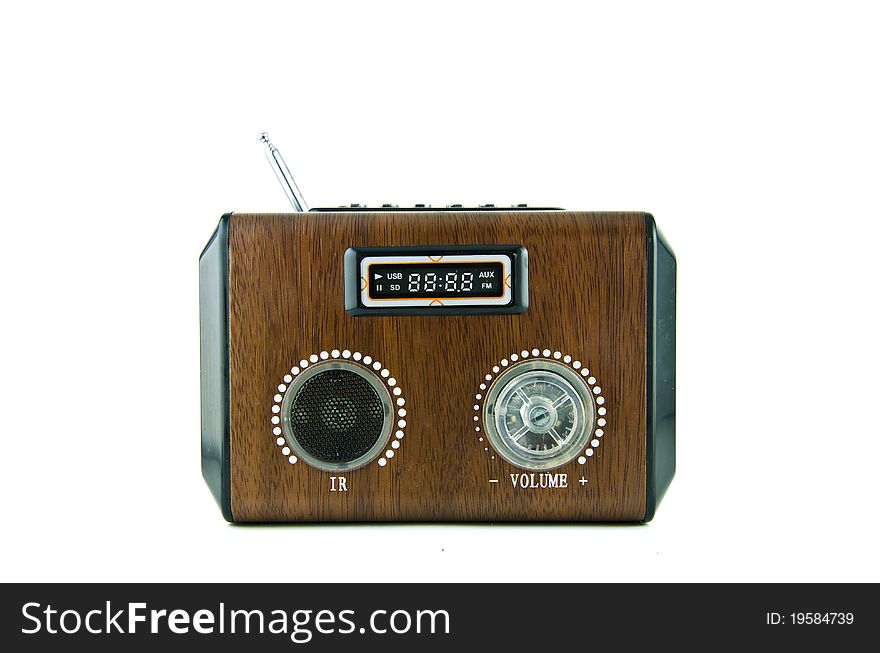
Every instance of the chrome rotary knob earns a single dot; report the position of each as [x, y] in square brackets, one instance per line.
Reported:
[539, 414]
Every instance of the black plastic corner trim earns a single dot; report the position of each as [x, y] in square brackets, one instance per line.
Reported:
[660, 367]
[214, 364]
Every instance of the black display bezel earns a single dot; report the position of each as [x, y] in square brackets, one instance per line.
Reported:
[519, 301]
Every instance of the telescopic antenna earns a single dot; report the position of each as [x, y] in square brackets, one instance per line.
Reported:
[284, 177]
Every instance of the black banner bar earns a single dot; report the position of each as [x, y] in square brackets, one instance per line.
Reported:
[285, 617]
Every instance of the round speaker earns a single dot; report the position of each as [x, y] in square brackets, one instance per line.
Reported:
[539, 414]
[337, 416]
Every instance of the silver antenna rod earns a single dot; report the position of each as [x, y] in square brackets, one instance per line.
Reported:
[284, 177]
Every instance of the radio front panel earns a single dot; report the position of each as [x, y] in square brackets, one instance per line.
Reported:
[439, 366]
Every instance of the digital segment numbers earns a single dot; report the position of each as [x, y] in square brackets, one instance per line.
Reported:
[436, 280]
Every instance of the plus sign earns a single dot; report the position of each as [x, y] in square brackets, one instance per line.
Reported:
[583, 481]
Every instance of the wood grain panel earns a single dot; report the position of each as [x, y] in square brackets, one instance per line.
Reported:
[587, 299]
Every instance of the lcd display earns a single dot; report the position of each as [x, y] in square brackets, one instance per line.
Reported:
[435, 280]
[453, 280]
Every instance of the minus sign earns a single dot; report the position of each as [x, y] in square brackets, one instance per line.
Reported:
[493, 480]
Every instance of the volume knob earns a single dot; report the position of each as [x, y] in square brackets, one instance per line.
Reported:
[539, 415]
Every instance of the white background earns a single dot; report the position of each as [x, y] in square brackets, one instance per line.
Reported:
[749, 129]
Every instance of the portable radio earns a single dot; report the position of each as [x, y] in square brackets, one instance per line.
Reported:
[423, 364]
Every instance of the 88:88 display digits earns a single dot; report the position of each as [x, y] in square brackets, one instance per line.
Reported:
[448, 282]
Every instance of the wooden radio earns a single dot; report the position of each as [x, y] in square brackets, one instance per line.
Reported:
[454, 364]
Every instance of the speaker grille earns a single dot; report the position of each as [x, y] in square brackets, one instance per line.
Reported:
[336, 416]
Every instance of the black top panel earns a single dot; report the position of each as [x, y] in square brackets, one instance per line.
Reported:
[427, 208]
